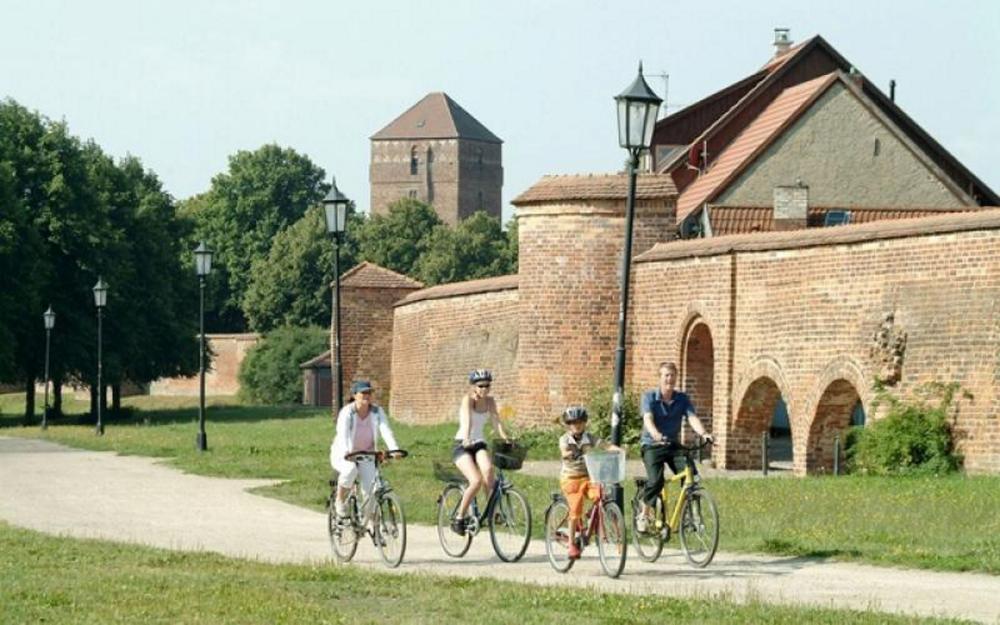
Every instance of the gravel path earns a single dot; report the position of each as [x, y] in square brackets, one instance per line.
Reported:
[63, 491]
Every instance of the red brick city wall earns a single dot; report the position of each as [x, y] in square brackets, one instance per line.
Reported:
[221, 378]
[436, 342]
[569, 263]
[366, 335]
[794, 315]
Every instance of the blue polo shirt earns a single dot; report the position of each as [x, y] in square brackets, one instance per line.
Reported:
[668, 416]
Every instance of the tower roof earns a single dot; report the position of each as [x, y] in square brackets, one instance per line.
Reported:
[436, 116]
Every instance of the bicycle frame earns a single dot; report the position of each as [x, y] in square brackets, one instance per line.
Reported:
[501, 486]
[687, 479]
[364, 520]
[595, 517]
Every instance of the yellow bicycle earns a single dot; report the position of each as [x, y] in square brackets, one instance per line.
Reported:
[693, 516]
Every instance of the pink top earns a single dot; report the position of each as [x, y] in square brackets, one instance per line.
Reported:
[364, 434]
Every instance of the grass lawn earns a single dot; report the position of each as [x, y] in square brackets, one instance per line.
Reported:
[950, 523]
[63, 580]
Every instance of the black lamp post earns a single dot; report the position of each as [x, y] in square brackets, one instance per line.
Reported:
[637, 110]
[203, 267]
[50, 321]
[335, 210]
[100, 300]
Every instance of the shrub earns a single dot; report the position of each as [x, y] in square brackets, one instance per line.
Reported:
[270, 372]
[914, 438]
[599, 409]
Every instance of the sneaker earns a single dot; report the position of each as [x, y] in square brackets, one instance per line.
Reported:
[574, 551]
[458, 525]
[641, 522]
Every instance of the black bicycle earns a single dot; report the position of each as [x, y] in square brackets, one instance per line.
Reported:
[506, 511]
[380, 515]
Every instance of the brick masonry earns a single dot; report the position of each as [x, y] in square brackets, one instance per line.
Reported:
[221, 377]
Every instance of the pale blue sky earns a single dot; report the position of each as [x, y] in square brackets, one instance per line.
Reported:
[184, 84]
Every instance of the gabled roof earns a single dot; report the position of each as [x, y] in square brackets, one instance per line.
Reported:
[596, 187]
[319, 362]
[436, 116]
[761, 132]
[718, 119]
[370, 275]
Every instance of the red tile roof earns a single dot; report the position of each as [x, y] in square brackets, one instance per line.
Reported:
[987, 218]
[469, 287]
[728, 220]
[370, 275]
[436, 116]
[751, 142]
[596, 187]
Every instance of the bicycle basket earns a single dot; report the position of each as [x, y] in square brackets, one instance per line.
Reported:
[606, 467]
[509, 456]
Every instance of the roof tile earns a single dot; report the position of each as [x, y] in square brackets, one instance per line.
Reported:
[596, 187]
[436, 116]
[370, 275]
[469, 287]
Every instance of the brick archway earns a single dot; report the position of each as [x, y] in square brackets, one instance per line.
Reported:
[698, 371]
[752, 420]
[832, 417]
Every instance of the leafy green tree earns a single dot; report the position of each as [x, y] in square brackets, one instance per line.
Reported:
[291, 285]
[475, 248]
[397, 240]
[270, 372]
[262, 193]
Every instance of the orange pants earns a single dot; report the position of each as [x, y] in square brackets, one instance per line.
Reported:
[576, 489]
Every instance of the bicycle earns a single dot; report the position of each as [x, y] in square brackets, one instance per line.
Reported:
[604, 521]
[694, 516]
[380, 515]
[506, 511]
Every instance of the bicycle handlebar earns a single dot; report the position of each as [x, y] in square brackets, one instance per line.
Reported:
[704, 443]
[378, 456]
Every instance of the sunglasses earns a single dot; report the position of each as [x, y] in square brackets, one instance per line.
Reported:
[483, 385]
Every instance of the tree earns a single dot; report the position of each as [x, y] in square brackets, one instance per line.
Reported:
[270, 372]
[397, 240]
[291, 285]
[475, 248]
[262, 193]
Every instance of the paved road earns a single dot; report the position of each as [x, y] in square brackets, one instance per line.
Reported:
[58, 490]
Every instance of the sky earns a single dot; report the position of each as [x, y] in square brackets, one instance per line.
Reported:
[185, 84]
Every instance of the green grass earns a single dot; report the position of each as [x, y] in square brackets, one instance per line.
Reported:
[950, 523]
[63, 580]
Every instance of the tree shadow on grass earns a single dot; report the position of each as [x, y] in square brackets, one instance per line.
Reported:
[218, 413]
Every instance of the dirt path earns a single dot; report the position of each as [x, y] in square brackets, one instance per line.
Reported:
[58, 490]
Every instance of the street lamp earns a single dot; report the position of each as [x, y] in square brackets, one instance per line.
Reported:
[50, 321]
[202, 267]
[335, 211]
[100, 300]
[637, 110]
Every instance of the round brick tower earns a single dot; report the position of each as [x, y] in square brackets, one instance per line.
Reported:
[570, 237]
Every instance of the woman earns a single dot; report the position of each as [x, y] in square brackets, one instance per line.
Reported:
[470, 452]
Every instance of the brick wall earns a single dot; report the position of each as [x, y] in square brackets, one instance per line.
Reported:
[221, 377]
[366, 334]
[794, 315]
[442, 333]
[569, 263]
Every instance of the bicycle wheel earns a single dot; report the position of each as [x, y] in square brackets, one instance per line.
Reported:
[612, 543]
[648, 542]
[453, 544]
[699, 528]
[557, 536]
[343, 536]
[390, 529]
[510, 525]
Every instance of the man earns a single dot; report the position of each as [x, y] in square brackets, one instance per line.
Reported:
[663, 413]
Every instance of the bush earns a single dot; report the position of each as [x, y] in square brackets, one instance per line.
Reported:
[914, 438]
[599, 409]
[270, 372]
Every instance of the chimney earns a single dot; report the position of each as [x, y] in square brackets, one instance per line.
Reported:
[791, 206]
[782, 42]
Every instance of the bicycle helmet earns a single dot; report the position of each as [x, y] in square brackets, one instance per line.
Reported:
[574, 414]
[480, 375]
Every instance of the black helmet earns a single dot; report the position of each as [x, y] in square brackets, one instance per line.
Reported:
[480, 375]
[574, 414]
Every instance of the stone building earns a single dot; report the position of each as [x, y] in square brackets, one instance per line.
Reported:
[438, 153]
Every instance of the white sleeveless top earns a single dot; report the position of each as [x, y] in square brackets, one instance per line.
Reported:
[477, 422]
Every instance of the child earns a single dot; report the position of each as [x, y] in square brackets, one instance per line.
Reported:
[573, 479]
